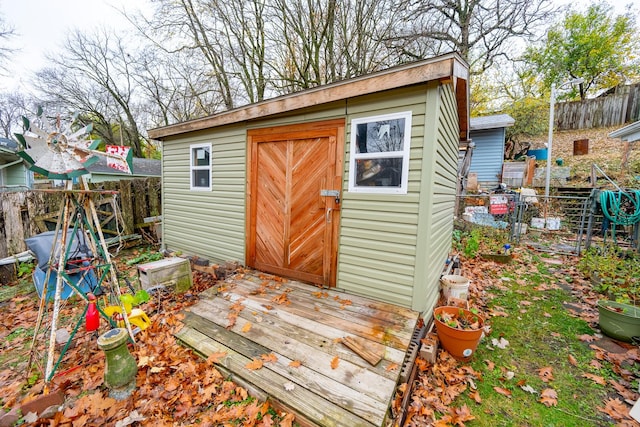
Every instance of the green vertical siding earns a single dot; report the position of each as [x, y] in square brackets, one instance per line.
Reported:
[209, 224]
[377, 249]
[438, 195]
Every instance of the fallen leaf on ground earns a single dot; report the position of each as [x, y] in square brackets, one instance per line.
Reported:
[490, 364]
[254, 364]
[281, 299]
[334, 362]
[615, 408]
[392, 367]
[501, 343]
[549, 397]
[546, 374]
[502, 391]
[572, 360]
[295, 363]
[133, 417]
[270, 357]
[247, 327]
[475, 395]
[595, 378]
[528, 389]
[586, 338]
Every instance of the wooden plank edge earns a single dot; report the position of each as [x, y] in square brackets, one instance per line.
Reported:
[331, 415]
[367, 403]
[333, 347]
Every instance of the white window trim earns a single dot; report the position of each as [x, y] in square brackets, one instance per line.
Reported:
[404, 182]
[206, 167]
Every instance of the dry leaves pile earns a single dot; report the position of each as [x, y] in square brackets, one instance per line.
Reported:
[174, 385]
[435, 390]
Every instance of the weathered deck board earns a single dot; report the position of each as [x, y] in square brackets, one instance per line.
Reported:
[342, 307]
[281, 316]
[305, 328]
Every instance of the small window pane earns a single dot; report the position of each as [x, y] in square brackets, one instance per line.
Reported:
[385, 172]
[201, 156]
[380, 136]
[200, 178]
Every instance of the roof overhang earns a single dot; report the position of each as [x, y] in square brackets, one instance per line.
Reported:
[492, 122]
[449, 68]
[628, 133]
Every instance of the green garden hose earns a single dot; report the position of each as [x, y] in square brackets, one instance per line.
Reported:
[621, 207]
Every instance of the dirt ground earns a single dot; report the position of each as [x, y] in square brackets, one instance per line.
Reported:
[604, 151]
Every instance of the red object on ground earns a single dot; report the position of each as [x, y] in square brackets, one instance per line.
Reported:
[92, 316]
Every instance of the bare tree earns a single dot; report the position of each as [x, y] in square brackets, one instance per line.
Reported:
[12, 107]
[190, 26]
[244, 27]
[94, 75]
[480, 30]
[174, 88]
[6, 34]
[321, 41]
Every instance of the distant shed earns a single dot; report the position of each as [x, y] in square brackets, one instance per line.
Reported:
[350, 185]
[628, 134]
[13, 174]
[488, 134]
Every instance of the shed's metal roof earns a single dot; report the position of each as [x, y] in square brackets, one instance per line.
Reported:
[7, 144]
[491, 122]
[628, 133]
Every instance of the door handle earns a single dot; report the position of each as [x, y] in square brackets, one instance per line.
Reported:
[328, 215]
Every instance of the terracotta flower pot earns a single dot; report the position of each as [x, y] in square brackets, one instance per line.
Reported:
[460, 343]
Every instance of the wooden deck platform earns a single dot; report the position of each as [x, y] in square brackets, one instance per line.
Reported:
[333, 386]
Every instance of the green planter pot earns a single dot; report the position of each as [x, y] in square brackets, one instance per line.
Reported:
[618, 320]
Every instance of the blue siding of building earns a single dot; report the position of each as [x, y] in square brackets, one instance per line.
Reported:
[488, 155]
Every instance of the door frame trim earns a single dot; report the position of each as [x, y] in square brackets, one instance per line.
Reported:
[256, 136]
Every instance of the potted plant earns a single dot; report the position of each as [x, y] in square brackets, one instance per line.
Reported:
[459, 330]
[616, 275]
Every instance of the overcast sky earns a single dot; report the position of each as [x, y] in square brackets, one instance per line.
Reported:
[41, 27]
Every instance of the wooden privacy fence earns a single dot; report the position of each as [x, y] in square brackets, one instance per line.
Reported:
[27, 213]
[615, 109]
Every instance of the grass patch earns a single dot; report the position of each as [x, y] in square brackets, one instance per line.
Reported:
[541, 334]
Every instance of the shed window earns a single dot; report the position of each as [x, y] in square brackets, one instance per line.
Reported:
[379, 160]
[200, 167]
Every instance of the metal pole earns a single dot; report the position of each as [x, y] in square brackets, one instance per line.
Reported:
[549, 144]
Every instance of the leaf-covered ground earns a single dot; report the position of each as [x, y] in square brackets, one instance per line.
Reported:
[174, 386]
[543, 363]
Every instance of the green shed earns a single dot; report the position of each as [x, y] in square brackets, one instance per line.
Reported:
[350, 185]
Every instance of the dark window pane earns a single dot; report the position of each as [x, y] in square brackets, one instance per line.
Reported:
[201, 156]
[201, 178]
[380, 137]
[379, 172]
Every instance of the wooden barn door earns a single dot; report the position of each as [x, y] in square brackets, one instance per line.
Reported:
[295, 177]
